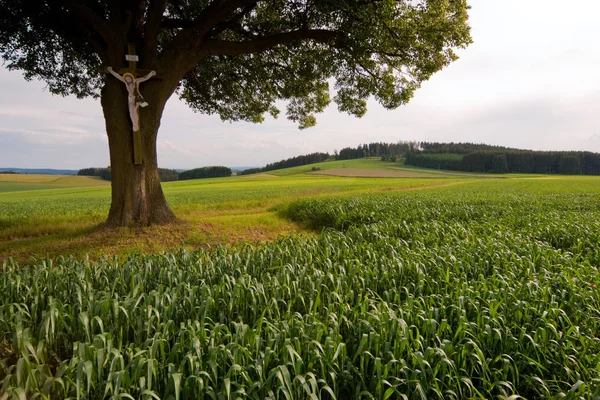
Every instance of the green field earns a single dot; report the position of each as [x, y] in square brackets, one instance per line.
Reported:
[67, 220]
[301, 286]
[373, 164]
[23, 182]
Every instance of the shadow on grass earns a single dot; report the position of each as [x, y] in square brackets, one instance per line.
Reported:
[191, 232]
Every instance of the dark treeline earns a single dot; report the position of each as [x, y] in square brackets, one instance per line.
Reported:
[250, 171]
[378, 149]
[387, 151]
[166, 175]
[434, 160]
[290, 162]
[458, 148]
[103, 173]
[510, 161]
[469, 157]
[299, 160]
[205, 172]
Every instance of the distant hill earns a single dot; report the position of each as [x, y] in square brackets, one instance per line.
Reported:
[46, 171]
[467, 157]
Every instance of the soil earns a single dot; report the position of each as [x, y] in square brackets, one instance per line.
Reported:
[372, 173]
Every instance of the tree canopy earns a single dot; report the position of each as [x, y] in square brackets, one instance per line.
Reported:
[238, 58]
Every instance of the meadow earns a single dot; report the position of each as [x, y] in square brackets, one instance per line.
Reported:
[44, 217]
[417, 288]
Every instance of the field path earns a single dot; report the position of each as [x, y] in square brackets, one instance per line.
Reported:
[373, 173]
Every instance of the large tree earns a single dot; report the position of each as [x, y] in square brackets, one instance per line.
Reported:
[233, 58]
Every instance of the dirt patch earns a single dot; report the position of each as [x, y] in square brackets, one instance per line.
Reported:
[454, 173]
[372, 173]
[259, 175]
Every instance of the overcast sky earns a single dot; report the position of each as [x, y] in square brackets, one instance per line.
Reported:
[531, 79]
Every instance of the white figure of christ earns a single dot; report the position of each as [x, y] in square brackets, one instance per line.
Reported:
[134, 97]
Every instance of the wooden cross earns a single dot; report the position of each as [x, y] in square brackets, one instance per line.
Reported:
[132, 71]
[132, 58]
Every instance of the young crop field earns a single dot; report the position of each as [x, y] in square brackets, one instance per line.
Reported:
[476, 289]
[27, 182]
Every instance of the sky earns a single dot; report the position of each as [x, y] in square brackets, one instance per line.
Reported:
[530, 80]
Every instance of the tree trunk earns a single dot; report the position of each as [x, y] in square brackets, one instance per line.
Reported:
[137, 196]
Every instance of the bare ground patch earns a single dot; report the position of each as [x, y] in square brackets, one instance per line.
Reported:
[260, 175]
[372, 173]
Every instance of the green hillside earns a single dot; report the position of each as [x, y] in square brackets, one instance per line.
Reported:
[373, 164]
[24, 182]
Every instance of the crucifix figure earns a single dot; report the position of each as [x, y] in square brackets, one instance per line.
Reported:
[134, 97]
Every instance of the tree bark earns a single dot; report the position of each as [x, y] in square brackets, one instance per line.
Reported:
[137, 196]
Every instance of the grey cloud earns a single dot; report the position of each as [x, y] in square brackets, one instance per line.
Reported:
[537, 124]
[17, 150]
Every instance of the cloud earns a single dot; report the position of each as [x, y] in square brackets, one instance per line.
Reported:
[34, 149]
[57, 136]
[166, 146]
[539, 124]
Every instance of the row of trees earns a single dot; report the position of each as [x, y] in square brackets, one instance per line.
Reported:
[388, 151]
[205, 172]
[470, 157]
[290, 162]
[166, 175]
[510, 161]
[103, 173]
[376, 149]
[457, 148]
[437, 161]
[385, 151]
[399, 149]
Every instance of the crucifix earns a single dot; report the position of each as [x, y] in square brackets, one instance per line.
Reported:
[129, 76]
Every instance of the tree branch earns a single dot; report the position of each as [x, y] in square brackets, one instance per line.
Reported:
[193, 34]
[98, 24]
[139, 13]
[116, 16]
[97, 45]
[187, 44]
[233, 22]
[218, 11]
[176, 23]
[152, 27]
[227, 48]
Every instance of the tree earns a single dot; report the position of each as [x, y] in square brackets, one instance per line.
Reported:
[205, 172]
[233, 58]
[569, 164]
